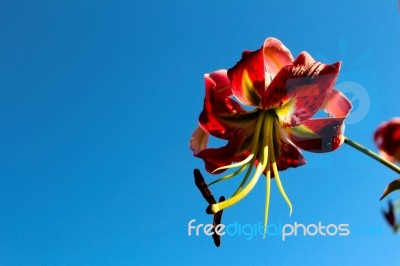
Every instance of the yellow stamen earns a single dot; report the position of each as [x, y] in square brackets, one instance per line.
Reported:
[248, 161]
[278, 181]
[263, 146]
[257, 130]
[241, 193]
[267, 197]
[245, 177]
[254, 145]
[245, 161]
[266, 143]
[241, 169]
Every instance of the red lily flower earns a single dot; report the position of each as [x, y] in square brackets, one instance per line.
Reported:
[387, 139]
[285, 94]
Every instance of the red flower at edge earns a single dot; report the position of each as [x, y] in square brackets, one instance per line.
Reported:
[285, 94]
[387, 139]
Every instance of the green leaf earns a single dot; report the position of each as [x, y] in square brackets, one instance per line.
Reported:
[394, 185]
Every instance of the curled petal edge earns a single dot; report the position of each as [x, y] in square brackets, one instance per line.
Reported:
[322, 135]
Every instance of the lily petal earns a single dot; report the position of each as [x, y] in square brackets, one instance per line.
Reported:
[250, 76]
[287, 154]
[299, 89]
[221, 81]
[247, 78]
[228, 127]
[236, 150]
[218, 91]
[290, 157]
[276, 56]
[323, 134]
[199, 140]
[223, 117]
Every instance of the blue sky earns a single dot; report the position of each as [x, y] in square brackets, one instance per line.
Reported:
[98, 101]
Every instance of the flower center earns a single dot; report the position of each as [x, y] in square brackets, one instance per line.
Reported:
[262, 155]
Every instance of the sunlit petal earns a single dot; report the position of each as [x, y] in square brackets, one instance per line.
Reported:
[276, 56]
[247, 78]
[299, 89]
[323, 134]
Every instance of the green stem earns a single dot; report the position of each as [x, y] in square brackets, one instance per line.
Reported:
[371, 154]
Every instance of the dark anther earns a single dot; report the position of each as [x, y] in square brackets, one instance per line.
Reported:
[389, 215]
[202, 186]
[205, 191]
[216, 222]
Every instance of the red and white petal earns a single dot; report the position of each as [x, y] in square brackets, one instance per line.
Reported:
[299, 89]
[199, 140]
[323, 134]
[318, 135]
[218, 91]
[290, 157]
[337, 104]
[286, 154]
[228, 127]
[223, 117]
[276, 56]
[247, 78]
[222, 83]
[236, 150]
